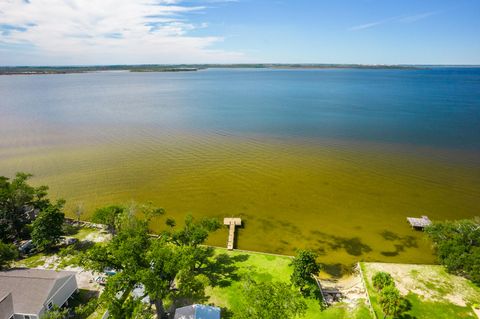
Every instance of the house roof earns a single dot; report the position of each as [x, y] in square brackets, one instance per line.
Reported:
[31, 288]
[6, 306]
[197, 312]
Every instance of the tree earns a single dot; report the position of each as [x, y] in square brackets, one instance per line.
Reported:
[47, 228]
[194, 232]
[457, 245]
[108, 216]
[166, 268]
[8, 253]
[270, 300]
[382, 279]
[391, 301]
[55, 313]
[304, 266]
[19, 203]
[171, 266]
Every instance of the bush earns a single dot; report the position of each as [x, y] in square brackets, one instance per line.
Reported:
[48, 227]
[8, 253]
[304, 266]
[457, 245]
[381, 280]
[270, 300]
[393, 304]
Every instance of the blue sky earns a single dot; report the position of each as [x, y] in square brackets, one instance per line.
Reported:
[65, 32]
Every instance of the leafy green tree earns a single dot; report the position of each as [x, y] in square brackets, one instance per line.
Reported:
[18, 204]
[270, 300]
[391, 301]
[108, 216]
[165, 268]
[304, 266]
[382, 279]
[457, 245]
[47, 228]
[84, 310]
[8, 253]
[195, 232]
[55, 313]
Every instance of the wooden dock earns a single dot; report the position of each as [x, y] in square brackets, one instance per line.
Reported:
[232, 223]
[419, 223]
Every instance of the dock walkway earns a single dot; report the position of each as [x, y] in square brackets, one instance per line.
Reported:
[231, 222]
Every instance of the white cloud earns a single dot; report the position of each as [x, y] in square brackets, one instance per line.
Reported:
[106, 32]
[404, 19]
[417, 17]
[368, 25]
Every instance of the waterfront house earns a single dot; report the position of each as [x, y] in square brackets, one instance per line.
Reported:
[28, 293]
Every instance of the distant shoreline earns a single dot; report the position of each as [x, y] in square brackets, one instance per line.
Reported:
[36, 70]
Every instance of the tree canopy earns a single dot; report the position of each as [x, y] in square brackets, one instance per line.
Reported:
[304, 266]
[107, 216]
[382, 279]
[55, 313]
[270, 300]
[457, 245]
[19, 203]
[164, 266]
[8, 253]
[47, 228]
[392, 303]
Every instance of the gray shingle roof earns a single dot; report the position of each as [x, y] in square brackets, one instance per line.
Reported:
[31, 288]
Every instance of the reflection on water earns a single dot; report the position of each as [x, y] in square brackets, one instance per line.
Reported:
[334, 160]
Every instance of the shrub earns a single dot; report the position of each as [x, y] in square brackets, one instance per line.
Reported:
[8, 253]
[381, 280]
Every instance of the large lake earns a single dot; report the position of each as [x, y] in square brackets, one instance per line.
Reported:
[332, 159]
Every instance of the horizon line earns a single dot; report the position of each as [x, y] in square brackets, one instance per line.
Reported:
[240, 64]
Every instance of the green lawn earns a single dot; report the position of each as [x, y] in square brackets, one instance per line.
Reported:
[430, 291]
[238, 265]
[32, 261]
[98, 313]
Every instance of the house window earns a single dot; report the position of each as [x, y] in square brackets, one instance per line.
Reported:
[26, 317]
[50, 305]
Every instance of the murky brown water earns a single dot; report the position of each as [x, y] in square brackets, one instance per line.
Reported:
[103, 139]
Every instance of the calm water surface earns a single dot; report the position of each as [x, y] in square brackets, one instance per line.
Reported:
[328, 159]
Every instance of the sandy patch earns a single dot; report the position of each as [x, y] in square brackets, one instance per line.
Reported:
[351, 289]
[98, 237]
[428, 281]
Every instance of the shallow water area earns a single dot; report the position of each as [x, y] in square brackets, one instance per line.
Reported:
[333, 160]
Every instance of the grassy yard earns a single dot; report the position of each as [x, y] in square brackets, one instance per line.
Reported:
[84, 232]
[430, 291]
[237, 265]
[98, 313]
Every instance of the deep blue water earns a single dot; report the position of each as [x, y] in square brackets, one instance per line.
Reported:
[433, 107]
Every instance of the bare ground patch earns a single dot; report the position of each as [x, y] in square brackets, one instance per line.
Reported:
[431, 282]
